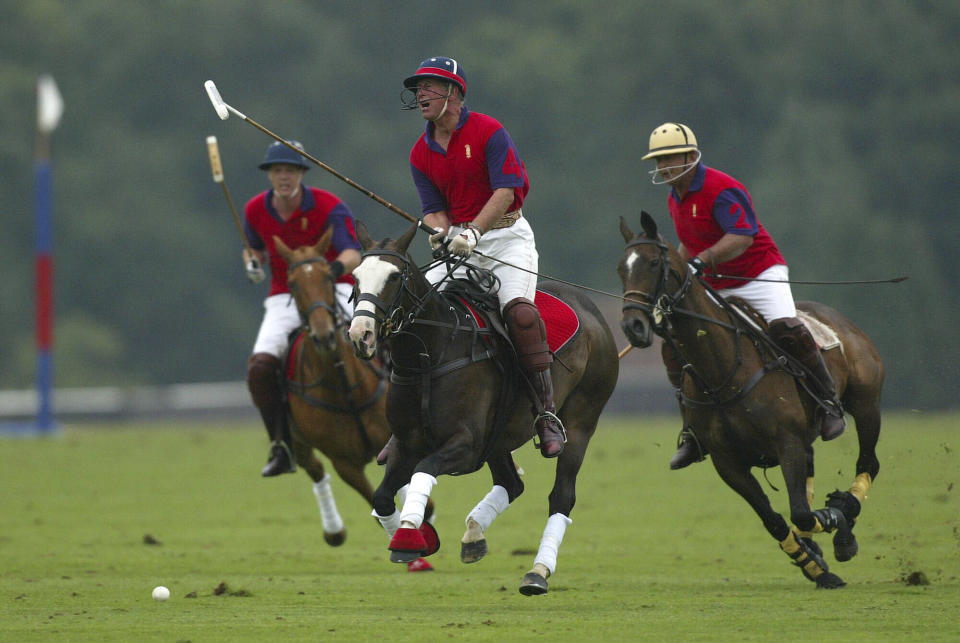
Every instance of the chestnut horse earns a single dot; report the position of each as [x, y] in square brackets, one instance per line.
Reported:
[337, 402]
[446, 402]
[747, 401]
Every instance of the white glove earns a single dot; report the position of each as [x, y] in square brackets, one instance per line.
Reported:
[437, 239]
[464, 243]
[255, 271]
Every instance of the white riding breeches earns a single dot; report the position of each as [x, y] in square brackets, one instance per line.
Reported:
[280, 318]
[772, 299]
[516, 245]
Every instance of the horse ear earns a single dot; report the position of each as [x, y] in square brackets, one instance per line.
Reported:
[625, 230]
[364, 237]
[404, 242]
[282, 248]
[648, 224]
[324, 242]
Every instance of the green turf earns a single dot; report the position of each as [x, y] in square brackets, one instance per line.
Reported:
[651, 554]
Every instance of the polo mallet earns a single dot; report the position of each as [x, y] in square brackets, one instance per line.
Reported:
[223, 111]
[217, 168]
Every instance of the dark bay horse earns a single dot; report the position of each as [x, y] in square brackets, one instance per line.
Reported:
[444, 404]
[337, 401]
[747, 402]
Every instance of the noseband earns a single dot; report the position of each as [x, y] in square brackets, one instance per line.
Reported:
[388, 317]
[315, 305]
[660, 305]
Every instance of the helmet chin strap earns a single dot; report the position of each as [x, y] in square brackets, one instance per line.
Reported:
[657, 173]
[446, 101]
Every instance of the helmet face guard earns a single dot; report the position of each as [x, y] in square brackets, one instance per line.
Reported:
[280, 153]
[444, 69]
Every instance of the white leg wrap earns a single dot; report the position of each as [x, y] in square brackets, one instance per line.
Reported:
[550, 542]
[492, 505]
[415, 504]
[389, 523]
[332, 522]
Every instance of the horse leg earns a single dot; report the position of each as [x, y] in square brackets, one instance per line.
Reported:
[507, 486]
[738, 477]
[849, 503]
[416, 536]
[563, 496]
[334, 532]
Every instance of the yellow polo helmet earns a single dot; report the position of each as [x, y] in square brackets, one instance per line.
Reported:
[671, 138]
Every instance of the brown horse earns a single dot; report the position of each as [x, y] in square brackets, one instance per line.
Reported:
[747, 402]
[452, 408]
[337, 402]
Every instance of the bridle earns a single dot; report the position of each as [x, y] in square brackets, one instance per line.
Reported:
[659, 306]
[390, 318]
[334, 310]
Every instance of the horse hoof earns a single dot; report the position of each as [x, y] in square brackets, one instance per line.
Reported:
[533, 585]
[472, 552]
[404, 556]
[829, 580]
[419, 565]
[407, 545]
[337, 539]
[845, 546]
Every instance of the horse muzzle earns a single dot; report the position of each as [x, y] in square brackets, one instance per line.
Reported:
[363, 336]
[637, 330]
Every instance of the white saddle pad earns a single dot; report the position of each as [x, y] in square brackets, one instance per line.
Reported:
[825, 336]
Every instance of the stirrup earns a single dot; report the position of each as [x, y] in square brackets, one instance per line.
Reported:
[687, 432]
[548, 415]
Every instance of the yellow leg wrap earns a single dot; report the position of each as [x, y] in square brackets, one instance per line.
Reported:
[790, 545]
[810, 495]
[792, 548]
[861, 486]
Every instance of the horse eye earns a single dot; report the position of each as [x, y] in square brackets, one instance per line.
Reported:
[655, 263]
[393, 276]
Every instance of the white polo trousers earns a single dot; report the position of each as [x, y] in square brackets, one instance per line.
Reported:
[772, 300]
[280, 318]
[515, 244]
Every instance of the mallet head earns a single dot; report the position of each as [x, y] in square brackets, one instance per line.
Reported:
[218, 104]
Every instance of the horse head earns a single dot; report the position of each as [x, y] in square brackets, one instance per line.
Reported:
[312, 288]
[647, 265]
[381, 284]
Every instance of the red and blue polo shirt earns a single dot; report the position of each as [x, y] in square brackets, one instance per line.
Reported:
[318, 210]
[480, 158]
[714, 205]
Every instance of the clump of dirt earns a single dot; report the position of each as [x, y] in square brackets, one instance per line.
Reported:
[150, 540]
[223, 589]
[916, 578]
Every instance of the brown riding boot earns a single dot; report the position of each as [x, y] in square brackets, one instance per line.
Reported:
[832, 423]
[529, 337]
[263, 380]
[793, 336]
[550, 429]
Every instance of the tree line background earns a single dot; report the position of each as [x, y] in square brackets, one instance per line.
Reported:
[840, 117]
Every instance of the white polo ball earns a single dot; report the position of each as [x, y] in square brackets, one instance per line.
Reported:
[161, 593]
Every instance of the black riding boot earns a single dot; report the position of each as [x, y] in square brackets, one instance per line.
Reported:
[549, 427]
[688, 450]
[263, 373]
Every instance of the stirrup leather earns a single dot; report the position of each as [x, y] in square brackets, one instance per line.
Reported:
[548, 414]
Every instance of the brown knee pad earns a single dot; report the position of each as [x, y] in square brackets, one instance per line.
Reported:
[672, 363]
[528, 334]
[263, 380]
[793, 336]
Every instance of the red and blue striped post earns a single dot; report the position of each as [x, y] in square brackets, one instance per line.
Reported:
[49, 110]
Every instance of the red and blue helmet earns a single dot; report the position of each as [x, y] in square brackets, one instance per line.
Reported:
[446, 69]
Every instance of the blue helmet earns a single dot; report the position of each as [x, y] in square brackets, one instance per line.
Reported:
[446, 69]
[280, 153]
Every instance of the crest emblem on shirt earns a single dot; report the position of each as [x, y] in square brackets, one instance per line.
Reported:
[467, 150]
[303, 224]
[694, 209]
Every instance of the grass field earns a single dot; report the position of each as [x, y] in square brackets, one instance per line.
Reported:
[651, 555]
